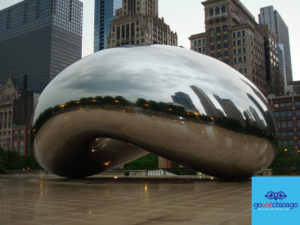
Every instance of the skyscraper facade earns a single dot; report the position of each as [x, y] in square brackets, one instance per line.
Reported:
[287, 114]
[232, 36]
[39, 38]
[137, 23]
[104, 14]
[272, 18]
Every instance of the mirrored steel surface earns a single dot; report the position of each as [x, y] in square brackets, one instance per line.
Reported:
[119, 104]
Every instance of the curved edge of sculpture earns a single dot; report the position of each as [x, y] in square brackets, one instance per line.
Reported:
[120, 104]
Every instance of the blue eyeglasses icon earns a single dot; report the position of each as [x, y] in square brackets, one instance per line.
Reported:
[276, 195]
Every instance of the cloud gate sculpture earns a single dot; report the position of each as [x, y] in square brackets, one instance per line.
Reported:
[120, 104]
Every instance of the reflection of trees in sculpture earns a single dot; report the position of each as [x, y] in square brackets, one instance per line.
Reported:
[153, 108]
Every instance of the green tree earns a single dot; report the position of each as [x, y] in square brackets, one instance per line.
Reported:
[286, 161]
[2, 170]
[11, 160]
[148, 162]
[29, 161]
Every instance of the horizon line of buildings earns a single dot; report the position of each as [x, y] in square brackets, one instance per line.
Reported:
[40, 38]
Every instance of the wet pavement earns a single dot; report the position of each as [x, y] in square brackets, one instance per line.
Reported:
[47, 199]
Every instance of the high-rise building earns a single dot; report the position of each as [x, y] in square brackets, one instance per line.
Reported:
[137, 23]
[39, 38]
[8, 93]
[274, 77]
[231, 36]
[16, 108]
[104, 14]
[287, 114]
[273, 19]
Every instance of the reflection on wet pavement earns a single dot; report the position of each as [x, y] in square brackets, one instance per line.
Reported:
[47, 199]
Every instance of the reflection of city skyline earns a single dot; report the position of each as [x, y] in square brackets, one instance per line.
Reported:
[185, 100]
[208, 105]
[230, 109]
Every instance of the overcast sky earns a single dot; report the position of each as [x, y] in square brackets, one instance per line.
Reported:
[186, 17]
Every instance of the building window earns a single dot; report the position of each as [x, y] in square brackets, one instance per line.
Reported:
[212, 47]
[285, 104]
[211, 31]
[244, 50]
[290, 124]
[219, 38]
[234, 43]
[195, 43]
[245, 70]
[225, 28]
[37, 9]
[282, 134]
[239, 34]
[199, 50]
[8, 19]
[217, 10]
[240, 59]
[233, 34]
[239, 51]
[225, 36]
[218, 29]
[204, 49]
[211, 12]
[239, 42]
[26, 12]
[211, 39]
[223, 9]
[219, 54]
[219, 46]
[226, 45]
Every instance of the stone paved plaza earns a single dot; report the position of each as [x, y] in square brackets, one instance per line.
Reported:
[47, 199]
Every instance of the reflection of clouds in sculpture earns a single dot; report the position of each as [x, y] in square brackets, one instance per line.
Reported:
[156, 86]
[163, 69]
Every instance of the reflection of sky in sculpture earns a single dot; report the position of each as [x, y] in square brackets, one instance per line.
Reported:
[153, 73]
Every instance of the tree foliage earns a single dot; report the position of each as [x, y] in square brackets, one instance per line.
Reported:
[2, 170]
[286, 161]
[11, 160]
[148, 162]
